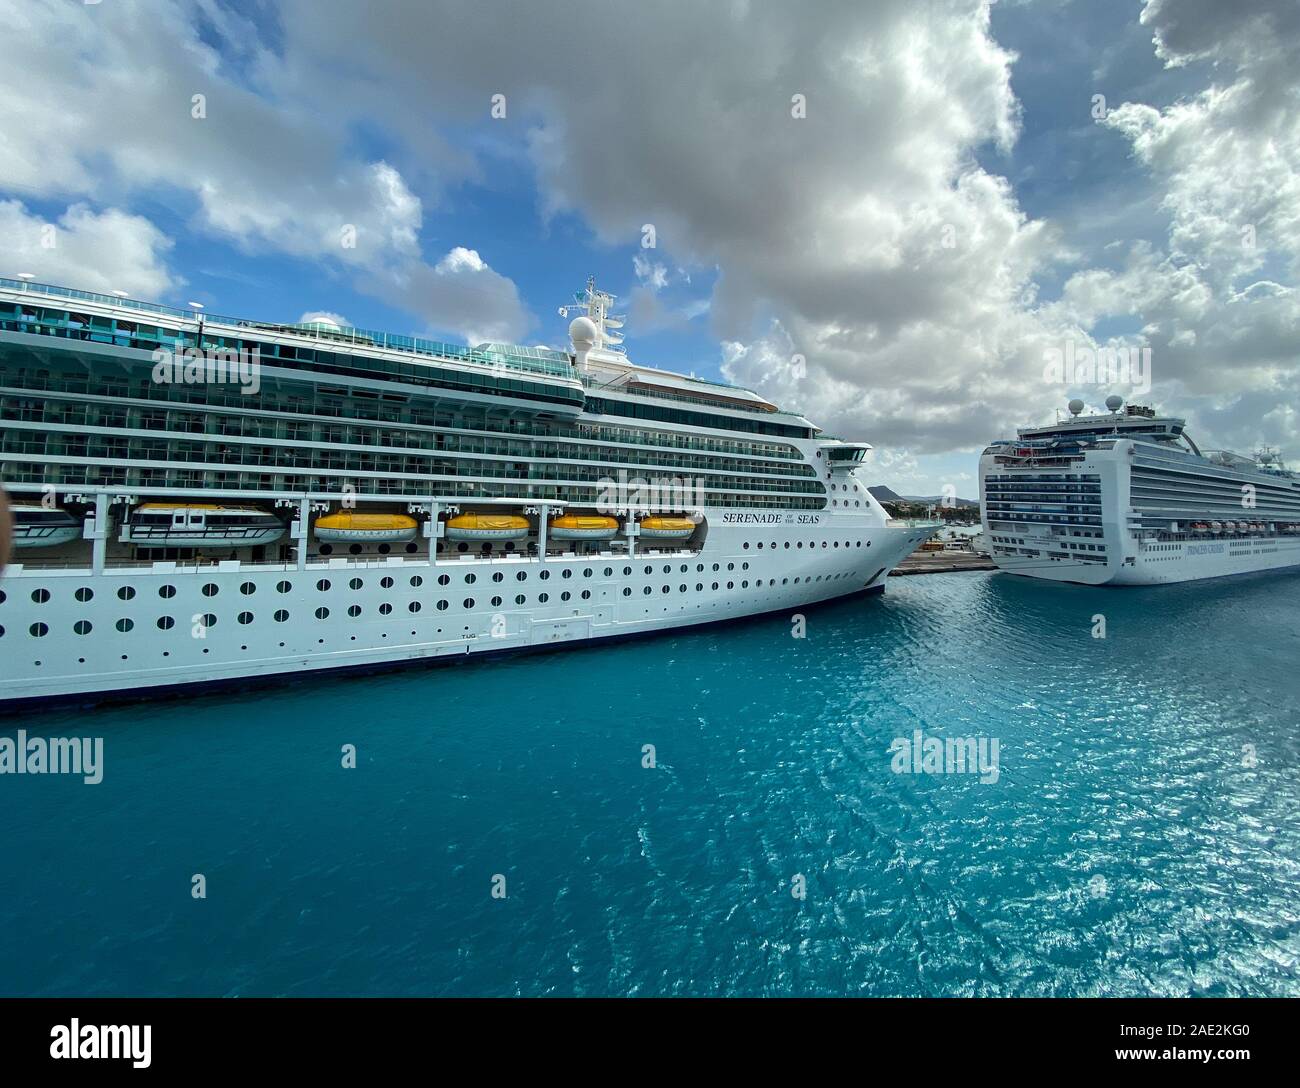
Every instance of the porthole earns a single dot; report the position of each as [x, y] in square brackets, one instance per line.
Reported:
[413, 607]
[647, 591]
[355, 583]
[84, 594]
[327, 549]
[627, 571]
[627, 591]
[322, 613]
[470, 579]
[444, 579]
[497, 576]
[40, 596]
[715, 585]
[609, 571]
[586, 594]
[83, 627]
[385, 608]
[699, 586]
[521, 576]
[207, 620]
[166, 591]
[681, 588]
[125, 593]
[323, 585]
[245, 618]
[586, 572]
[416, 581]
[520, 599]
[248, 589]
[166, 623]
[354, 610]
[38, 630]
[443, 605]
[667, 589]
[468, 602]
[280, 616]
[283, 587]
[124, 625]
[385, 583]
[496, 602]
[565, 595]
[210, 589]
[544, 575]
[566, 573]
[649, 570]
[542, 598]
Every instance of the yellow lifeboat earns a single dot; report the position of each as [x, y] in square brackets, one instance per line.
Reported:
[582, 527]
[487, 527]
[661, 528]
[350, 527]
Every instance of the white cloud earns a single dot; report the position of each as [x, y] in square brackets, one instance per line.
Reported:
[324, 315]
[104, 103]
[99, 251]
[461, 293]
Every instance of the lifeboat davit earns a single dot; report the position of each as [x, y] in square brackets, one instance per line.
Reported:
[350, 527]
[37, 526]
[490, 527]
[659, 528]
[198, 525]
[583, 527]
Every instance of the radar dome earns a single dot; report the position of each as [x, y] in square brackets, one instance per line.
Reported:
[1076, 406]
[582, 331]
[1114, 402]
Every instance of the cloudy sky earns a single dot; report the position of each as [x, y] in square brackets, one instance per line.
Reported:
[921, 200]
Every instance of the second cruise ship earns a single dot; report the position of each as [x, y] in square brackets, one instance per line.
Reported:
[1125, 497]
[201, 499]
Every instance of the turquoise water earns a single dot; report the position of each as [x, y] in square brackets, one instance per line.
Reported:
[1126, 847]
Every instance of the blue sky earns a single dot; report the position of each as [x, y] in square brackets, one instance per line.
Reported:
[948, 208]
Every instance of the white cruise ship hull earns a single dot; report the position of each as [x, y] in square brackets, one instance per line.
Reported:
[268, 620]
[1165, 562]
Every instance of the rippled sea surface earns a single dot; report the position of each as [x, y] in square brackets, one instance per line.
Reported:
[1142, 837]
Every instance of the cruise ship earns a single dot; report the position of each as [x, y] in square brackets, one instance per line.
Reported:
[200, 499]
[1125, 497]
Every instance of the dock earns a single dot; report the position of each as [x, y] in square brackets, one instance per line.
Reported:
[920, 562]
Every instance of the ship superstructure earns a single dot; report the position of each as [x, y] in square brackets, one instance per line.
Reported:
[1125, 497]
[201, 498]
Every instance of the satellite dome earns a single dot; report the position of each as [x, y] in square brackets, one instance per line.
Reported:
[582, 331]
[1076, 406]
[1114, 402]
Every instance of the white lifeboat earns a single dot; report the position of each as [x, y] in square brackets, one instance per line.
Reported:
[200, 525]
[37, 526]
